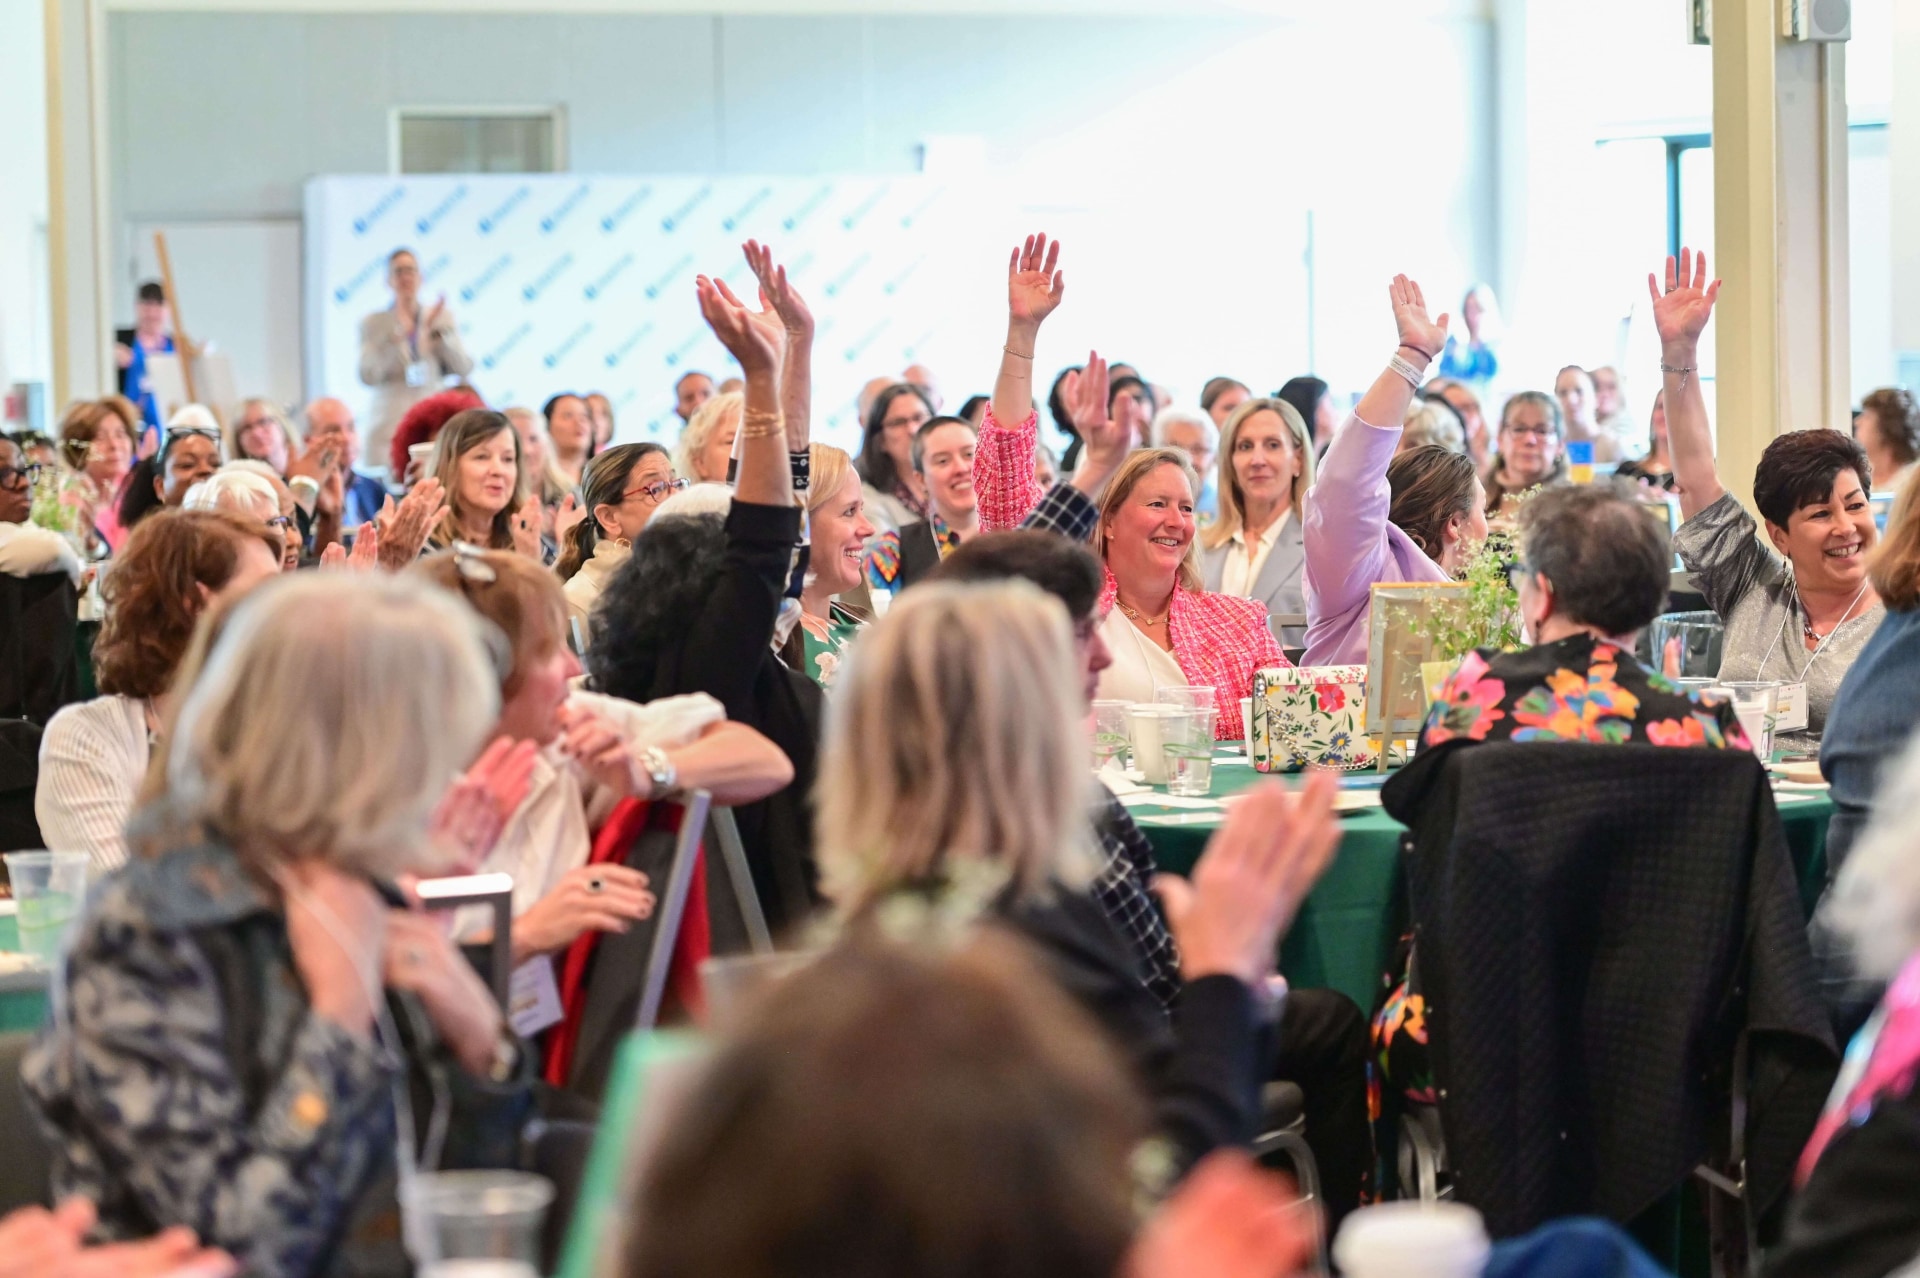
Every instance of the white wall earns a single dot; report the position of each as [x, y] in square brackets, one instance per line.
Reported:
[24, 321]
[1204, 138]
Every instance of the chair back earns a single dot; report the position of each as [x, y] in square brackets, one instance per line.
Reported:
[19, 777]
[739, 876]
[493, 892]
[39, 662]
[26, 1170]
[1599, 928]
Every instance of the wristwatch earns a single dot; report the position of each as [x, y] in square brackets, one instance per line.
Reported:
[665, 778]
[506, 1057]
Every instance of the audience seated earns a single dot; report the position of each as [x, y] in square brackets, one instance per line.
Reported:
[1655, 470]
[838, 533]
[306, 769]
[1322, 1036]
[602, 410]
[1163, 628]
[1529, 452]
[26, 549]
[1196, 435]
[1131, 405]
[583, 753]
[99, 440]
[1461, 398]
[176, 566]
[260, 431]
[1888, 427]
[422, 424]
[706, 444]
[569, 439]
[1428, 424]
[948, 782]
[942, 460]
[189, 452]
[1855, 1215]
[252, 496]
[620, 491]
[896, 492]
[1802, 611]
[331, 428]
[1220, 396]
[1373, 516]
[476, 459]
[1610, 412]
[1573, 387]
[1313, 400]
[1254, 549]
[692, 393]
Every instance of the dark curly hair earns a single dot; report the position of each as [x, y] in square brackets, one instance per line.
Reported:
[650, 602]
[1799, 469]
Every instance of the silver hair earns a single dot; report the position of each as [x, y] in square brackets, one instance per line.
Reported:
[1175, 416]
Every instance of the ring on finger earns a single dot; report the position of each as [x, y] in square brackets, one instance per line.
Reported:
[596, 885]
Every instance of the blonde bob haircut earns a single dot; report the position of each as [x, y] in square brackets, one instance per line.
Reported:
[700, 430]
[1140, 463]
[1233, 502]
[1894, 569]
[298, 735]
[828, 468]
[954, 752]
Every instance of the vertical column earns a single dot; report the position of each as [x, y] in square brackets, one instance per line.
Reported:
[77, 199]
[1780, 231]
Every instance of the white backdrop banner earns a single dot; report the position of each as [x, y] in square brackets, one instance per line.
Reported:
[583, 283]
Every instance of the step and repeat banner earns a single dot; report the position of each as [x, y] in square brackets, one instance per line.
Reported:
[570, 282]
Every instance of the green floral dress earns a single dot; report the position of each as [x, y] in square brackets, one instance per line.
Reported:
[823, 656]
[1579, 689]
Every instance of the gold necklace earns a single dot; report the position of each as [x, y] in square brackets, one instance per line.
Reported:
[1134, 615]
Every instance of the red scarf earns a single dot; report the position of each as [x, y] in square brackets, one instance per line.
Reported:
[630, 819]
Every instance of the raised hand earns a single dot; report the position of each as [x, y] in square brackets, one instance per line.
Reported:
[777, 293]
[757, 339]
[333, 557]
[1681, 312]
[1034, 286]
[525, 523]
[470, 816]
[1107, 442]
[1417, 331]
[366, 549]
[569, 514]
[404, 529]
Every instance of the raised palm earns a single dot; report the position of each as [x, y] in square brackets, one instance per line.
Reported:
[1428, 336]
[756, 338]
[777, 293]
[1681, 312]
[1034, 286]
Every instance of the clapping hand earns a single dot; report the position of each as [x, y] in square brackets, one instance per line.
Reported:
[1228, 1219]
[37, 1243]
[403, 529]
[777, 293]
[567, 517]
[525, 523]
[474, 810]
[757, 339]
[1034, 286]
[1681, 313]
[1417, 332]
[433, 315]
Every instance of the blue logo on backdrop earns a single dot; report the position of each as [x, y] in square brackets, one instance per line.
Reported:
[892, 286]
[558, 353]
[624, 209]
[486, 277]
[807, 209]
[684, 349]
[739, 215]
[858, 213]
[565, 207]
[425, 223]
[498, 353]
[538, 285]
[431, 270]
[358, 280]
[860, 344]
[838, 283]
[596, 287]
[659, 284]
[625, 348]
[673, 220]
[491, 221]
[381, 207]
[913, 348]
[919, 210]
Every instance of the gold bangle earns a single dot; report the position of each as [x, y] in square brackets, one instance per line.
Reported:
[1016, 354]
[761, 425]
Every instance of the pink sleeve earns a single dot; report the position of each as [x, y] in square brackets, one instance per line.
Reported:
[1345, 529]
[1003, 472]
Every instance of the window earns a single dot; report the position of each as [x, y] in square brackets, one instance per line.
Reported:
[483, 140]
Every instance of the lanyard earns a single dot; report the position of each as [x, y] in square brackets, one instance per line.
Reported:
[1819, 647]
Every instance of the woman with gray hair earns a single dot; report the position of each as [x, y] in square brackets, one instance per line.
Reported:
[235, 1000]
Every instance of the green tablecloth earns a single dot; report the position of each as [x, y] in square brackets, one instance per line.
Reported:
[1345, 931]
[23, 997]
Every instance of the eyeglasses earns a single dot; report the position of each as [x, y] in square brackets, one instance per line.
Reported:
[1519, 574]
[1540, 432]
[655, 493]
[204, 432]
[283, 522]
[20, 476]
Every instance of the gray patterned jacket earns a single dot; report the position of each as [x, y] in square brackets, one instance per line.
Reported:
[266, 1132]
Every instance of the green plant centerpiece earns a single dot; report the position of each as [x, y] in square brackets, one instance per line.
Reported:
[1486, 614]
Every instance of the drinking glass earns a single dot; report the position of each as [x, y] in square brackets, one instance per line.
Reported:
[1191, 697]
[49, 888]
[1110, 732]
[1187, 741]
[1144, 722]
[1687, 644]
[1756, 705]
[482, 1224]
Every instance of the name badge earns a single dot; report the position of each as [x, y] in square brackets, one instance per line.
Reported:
[1790, 708]
[533, 997]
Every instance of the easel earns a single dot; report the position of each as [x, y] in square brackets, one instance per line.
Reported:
[186, 349]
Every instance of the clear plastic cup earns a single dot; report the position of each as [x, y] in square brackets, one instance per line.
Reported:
[1686, 645]
[1246, 727]
[1412, 1240]
[49, 889]
[1756, 705]
[1110, 739]
[1190, 697]
[1144, 721]
[481, 1224]
[1187, 741]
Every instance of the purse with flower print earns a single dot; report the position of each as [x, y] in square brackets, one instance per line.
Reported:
[1310, 715]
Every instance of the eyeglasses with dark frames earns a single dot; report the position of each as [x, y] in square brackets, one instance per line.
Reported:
[20, 476]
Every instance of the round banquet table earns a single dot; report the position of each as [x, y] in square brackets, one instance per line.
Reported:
[1343, 936]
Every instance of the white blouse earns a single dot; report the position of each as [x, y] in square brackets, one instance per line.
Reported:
[1140, 666]
[93, 757]
[1241, 571]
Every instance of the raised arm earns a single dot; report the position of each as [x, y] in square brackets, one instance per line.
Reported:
[1421, 340]
[758, 341]
[1679, 315]
[1003, 462]
[778, 295]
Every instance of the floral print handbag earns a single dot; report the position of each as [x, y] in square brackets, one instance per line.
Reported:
[1310, 715]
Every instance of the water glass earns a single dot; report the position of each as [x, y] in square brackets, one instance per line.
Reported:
[1246, 727]
[1687, 645]
[1191, 697]
[481, 1224]
[1110, 738]
[1187, 741]
[49, 888]
[1756, 705]
[1144, 723]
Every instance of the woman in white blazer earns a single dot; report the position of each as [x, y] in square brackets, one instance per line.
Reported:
[1254, 549]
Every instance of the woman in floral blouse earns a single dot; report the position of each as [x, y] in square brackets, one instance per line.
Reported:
[1594, 573]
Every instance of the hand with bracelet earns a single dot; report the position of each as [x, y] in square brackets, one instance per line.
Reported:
[758, 341]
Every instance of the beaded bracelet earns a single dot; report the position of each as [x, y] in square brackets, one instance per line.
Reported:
[1413, 375]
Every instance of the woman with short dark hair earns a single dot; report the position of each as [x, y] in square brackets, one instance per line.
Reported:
[895, 494]
[1800, 612]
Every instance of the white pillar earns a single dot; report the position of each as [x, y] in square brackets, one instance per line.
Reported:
[1903, 157]
[77, 200]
